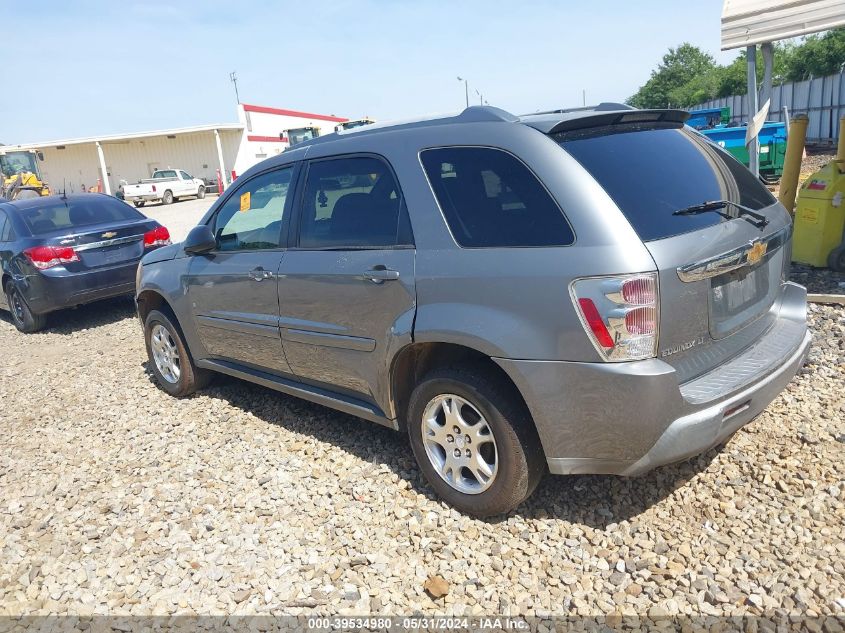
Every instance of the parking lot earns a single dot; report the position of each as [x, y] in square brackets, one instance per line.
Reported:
[179, 217]
[118, 498]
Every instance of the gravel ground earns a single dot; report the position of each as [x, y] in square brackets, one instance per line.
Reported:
[821, 281]
[115, 498]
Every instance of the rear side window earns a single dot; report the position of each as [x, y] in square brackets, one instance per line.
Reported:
[490, 199]
[651, 172]
[165, 173]
[352, 202]
[56, 214]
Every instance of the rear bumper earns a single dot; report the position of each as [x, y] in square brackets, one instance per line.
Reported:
[57, 288]
[627, 418]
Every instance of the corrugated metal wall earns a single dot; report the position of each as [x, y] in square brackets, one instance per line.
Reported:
[822, 99]
[78, 165]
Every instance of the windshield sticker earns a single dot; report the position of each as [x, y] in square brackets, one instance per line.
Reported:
[245, 201]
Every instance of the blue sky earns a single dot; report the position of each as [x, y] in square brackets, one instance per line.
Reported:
[88, 68]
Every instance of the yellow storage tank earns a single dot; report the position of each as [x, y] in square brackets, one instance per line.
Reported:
[820, 218]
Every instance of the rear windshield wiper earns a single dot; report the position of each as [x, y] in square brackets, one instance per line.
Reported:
[759, 220]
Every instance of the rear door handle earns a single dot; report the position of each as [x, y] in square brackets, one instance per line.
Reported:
[259, 274]
[380, 274]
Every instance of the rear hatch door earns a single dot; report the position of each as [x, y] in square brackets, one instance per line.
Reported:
[720, 271]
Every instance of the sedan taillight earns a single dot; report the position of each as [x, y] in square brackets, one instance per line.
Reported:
[44, 257]
[159, 236]
[619, 314]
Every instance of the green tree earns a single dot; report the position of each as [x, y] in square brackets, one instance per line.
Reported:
[817, 56]
[677, 68]
[688, 76]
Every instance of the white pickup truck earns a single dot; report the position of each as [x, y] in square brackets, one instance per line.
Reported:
[166, 185]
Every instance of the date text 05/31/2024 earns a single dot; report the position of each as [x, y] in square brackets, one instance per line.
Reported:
[419, 623]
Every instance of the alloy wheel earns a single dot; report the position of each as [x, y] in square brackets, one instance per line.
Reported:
[459, 444]
[165, 353]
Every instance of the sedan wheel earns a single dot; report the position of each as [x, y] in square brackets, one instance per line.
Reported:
[23, 318]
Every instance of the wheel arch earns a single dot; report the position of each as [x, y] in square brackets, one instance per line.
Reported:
[414, 361]
[149, 300]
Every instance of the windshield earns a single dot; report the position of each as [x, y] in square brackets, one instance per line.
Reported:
[652, 171]
[13, 163]
[57, 214]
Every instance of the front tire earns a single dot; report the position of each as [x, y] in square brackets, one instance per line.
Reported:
[170, 362]
[22, 317]
[474, 441]
[167, 198]
[201, 193]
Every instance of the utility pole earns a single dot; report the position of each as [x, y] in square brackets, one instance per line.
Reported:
[466, 88]
[584, 97]
[233, 77]
[480, 98]
[753, 143]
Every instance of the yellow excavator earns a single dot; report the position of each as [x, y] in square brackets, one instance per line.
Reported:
[20, 176]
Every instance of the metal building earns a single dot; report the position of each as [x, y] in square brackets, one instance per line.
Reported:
[74, 165]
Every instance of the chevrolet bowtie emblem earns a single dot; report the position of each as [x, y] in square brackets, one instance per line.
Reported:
[110, 234]
[756, 252]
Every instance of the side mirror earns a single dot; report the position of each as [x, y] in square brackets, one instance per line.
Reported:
[40, 156]
[199, 240]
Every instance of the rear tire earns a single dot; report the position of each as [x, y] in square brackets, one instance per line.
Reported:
[836, 259]
[167, 198]
[201, 193]
[509, 449]
[170, 362]
[22, 317]
[139, 203]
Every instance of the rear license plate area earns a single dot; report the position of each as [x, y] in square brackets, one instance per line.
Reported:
[112, 254]
[738, 297]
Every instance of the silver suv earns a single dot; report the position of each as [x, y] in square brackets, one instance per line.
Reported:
[600, 290]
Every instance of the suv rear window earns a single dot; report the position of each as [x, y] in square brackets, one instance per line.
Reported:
[651, 172]
[56, 214]
[490, 198]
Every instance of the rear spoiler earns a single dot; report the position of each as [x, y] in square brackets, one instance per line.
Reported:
[577, 120]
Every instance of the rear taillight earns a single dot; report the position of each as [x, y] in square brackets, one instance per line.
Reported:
[619, 314]
[154, 189]
[44, 257]
[159, 236]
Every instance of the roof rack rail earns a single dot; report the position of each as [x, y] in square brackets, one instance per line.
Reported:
[471, 114]
[483, 114]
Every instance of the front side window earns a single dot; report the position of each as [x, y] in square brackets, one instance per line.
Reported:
[350, 202]
[4, 226]
[251, 218]
[491, 199]
[186, 175]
